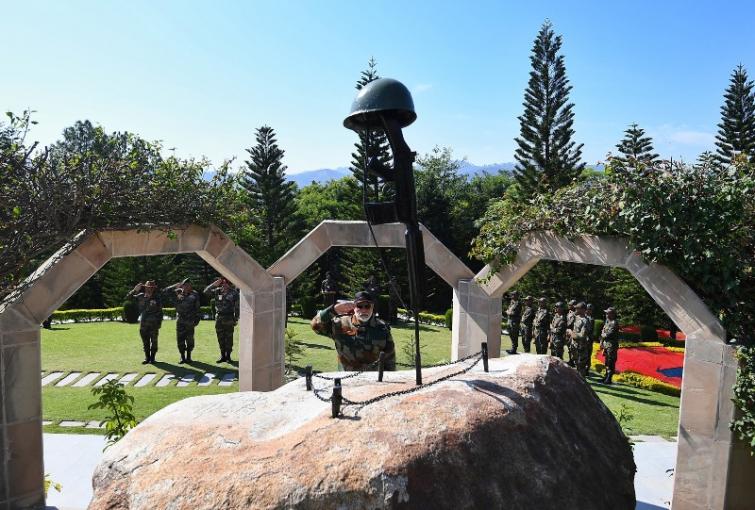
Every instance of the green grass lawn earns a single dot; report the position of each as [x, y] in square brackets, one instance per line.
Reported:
[116, 347]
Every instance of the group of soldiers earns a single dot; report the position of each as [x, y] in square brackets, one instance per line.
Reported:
[572, 330]
[187, 301]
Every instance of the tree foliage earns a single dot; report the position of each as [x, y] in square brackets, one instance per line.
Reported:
[736, 131]
[636, 151]
[547, 157]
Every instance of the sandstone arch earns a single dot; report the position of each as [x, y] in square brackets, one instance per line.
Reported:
[261, 333]
[713, 468]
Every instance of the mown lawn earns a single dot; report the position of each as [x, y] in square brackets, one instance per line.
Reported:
[116, 347]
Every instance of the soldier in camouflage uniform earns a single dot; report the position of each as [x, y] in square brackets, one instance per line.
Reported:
[570, 326]
[528, 317]
[540, 325]
[187, 317]
[226, 314]
[514, 313]
[358, 334]
[150, 316]
[609, 342]
[579, 337]
[558, 331]
[591, 332]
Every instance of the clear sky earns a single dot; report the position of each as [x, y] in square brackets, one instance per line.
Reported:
[201, 76]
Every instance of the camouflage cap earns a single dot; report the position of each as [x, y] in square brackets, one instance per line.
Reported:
[559, 304]
[589, 306]
[363, 296]
[581, 304]
[610, 309]
[542, 300]
[528, 298]
[151, 284]
[572, 302]
[515, 293]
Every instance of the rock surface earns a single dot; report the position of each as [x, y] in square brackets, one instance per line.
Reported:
[528, 434]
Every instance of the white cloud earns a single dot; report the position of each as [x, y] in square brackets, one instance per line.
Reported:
[422, 87]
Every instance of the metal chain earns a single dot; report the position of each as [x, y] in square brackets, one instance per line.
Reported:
[444, 363]
[374, 364]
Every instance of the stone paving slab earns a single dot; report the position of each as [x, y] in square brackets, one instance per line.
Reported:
[68, 379]
[166, 380]
[128, 378]
[227, 379]
[71, 423]
[52, 376]
[106, 379]
[70, 459]
[46, 422]
[186, 380]
[94, 425]
[145, 380]
[206, 379]
[86, 380]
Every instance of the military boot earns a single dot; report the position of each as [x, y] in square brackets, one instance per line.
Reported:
[188, 357]
[183, 357]
[607, 378]
[222, 357]
[146, 357]
[228, 356]
[152, 356]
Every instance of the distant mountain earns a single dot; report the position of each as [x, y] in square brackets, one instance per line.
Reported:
[470, 169]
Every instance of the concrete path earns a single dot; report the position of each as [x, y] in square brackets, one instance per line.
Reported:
[70, 460]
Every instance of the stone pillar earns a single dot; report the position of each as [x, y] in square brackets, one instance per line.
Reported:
[713, 468]
[21, 468]
[261, 338]
[476, 319]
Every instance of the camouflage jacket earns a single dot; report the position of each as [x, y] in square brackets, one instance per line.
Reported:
[558, 325]
[610, 331]
[357, 345]
[580, 329]
[590, 327]
[187, 307]
[528, 316]
[542, 320]
[514, 311]
[150, 308]
[570, 315]
[226, 303]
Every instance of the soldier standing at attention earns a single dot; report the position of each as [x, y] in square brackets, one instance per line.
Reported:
[580, 337]
[540, 325]
[609, 342]
[514, 313]
[591, 332]
[358, 334]
[227, 314]
[187, 317]
[528, 316]
[150, 316]
[558, 331]
[570, 326]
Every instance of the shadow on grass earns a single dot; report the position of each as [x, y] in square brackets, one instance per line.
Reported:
[198, 368]
[316, 346]
[618, 392]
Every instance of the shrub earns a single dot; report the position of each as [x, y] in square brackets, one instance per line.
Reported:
[113, 397]
[744, 397]
[130, 311]
[647, 383]
[308, 306]
[449, 318]
[648, 333]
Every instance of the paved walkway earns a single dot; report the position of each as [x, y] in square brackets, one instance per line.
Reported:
[70, 460]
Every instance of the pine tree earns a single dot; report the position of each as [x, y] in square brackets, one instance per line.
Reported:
[371, 144]
[547, 158]
[636, 149]
[736, 131]
[269, 195]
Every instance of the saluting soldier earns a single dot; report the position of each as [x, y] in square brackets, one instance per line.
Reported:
[558, 331]
[591, 332]
[571, 314]
[540, 324]
[579, 338]
[358, 334]
[187, 317]
[150, 316]
[609, 342]
[528, 317]
[226, 314]
[514, 314]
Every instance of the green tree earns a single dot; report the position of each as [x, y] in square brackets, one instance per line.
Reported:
[636, 150]
[113, 398]
[270, 197]
[547, 157]
[371, 144]
[736, 131]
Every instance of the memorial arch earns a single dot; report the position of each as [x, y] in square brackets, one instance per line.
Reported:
[713, 468]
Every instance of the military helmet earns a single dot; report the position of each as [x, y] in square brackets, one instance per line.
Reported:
[384, 96]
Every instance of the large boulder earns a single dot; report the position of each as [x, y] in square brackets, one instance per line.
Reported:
[528, 434]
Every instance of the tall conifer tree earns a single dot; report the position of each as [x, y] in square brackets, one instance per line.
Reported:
[636, 149]
[547, 157]
[736, 131]
[269, 195]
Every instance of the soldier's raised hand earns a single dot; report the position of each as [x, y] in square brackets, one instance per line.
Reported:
[137, 288]
[344, 308]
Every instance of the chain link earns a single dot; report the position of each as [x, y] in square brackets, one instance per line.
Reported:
[374, 364]
[443, 363]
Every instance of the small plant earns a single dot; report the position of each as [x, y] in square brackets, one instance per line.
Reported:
[625, 416]
[114, 398]
[408, 351]
[49, 483]
[293, 350]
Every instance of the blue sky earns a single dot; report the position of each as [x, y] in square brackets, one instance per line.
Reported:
[201, 76]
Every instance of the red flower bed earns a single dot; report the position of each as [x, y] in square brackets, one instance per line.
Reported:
[656, 362]
[662, 333]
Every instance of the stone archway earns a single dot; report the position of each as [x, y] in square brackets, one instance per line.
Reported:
[713, 469]
[261, 333]
[477, 316]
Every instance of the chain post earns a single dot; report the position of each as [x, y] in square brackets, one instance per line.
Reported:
[381, 366]
[308, 375]
[336, 398]
[485, 356]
